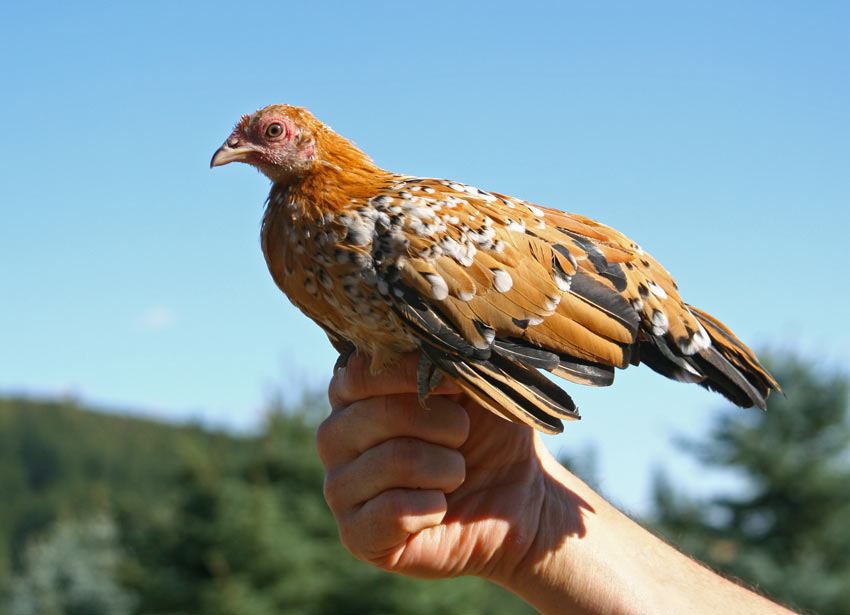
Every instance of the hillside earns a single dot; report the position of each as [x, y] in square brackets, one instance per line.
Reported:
[105, 513]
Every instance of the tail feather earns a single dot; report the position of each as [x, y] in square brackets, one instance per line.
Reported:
[725, 378]
[725, 365]
[738, 354]
[657, 354]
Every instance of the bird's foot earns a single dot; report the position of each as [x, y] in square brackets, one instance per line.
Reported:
[428, 378]
[344, 355]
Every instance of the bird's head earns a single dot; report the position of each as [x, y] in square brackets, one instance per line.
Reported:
[279, 140]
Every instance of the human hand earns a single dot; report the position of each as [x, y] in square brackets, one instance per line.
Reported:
[453, 490]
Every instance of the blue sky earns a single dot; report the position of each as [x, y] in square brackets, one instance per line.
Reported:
[715, 134]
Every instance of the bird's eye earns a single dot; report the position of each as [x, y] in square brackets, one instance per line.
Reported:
[274, 130]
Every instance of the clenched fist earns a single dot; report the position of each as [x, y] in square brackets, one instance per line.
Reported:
[434, 493]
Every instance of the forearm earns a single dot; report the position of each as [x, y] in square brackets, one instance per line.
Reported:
[590, 558]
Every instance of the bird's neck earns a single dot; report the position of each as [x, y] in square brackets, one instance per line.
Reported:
[341, 176]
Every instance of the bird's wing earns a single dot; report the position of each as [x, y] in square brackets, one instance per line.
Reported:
[493, 284]
[502, 269]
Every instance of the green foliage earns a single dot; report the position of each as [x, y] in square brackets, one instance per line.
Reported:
[110, 514]
[206, 523]
[71, 570]
[60, 461]
[789, 533]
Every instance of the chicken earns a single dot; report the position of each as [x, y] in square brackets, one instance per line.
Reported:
[488, 287]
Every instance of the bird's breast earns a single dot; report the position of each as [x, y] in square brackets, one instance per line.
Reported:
[336, 269]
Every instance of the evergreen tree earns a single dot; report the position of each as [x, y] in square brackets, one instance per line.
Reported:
[192, 521]
[789, 533]
[249, 532]
[72, 570]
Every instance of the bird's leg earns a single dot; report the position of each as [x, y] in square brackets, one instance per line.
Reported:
[428, 378]
[344, 355]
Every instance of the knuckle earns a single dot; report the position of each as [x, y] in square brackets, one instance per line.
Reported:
[347, 383]
[323, 438]
[350, 539]
[350, 385]
[334, 396]
[330, 491]
[326, 437]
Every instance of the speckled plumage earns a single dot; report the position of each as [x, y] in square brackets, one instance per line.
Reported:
[490, 288]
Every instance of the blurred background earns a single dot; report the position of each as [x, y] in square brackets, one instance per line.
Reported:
[159, 396]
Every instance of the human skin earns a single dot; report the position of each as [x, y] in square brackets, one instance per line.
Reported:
[455, 490]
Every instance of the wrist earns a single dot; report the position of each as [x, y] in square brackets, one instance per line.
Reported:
[587, 557]
[574, 562]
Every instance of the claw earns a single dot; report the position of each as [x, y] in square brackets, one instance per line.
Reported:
[342, 359]
[428, 378]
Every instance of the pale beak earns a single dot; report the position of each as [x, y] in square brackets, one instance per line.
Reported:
[231, 153]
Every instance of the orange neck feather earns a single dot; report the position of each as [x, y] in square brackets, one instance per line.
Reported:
[340, 173]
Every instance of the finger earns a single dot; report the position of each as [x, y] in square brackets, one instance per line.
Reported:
[398, 463]
[384, 523]
[346, 434]
[356, 381]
